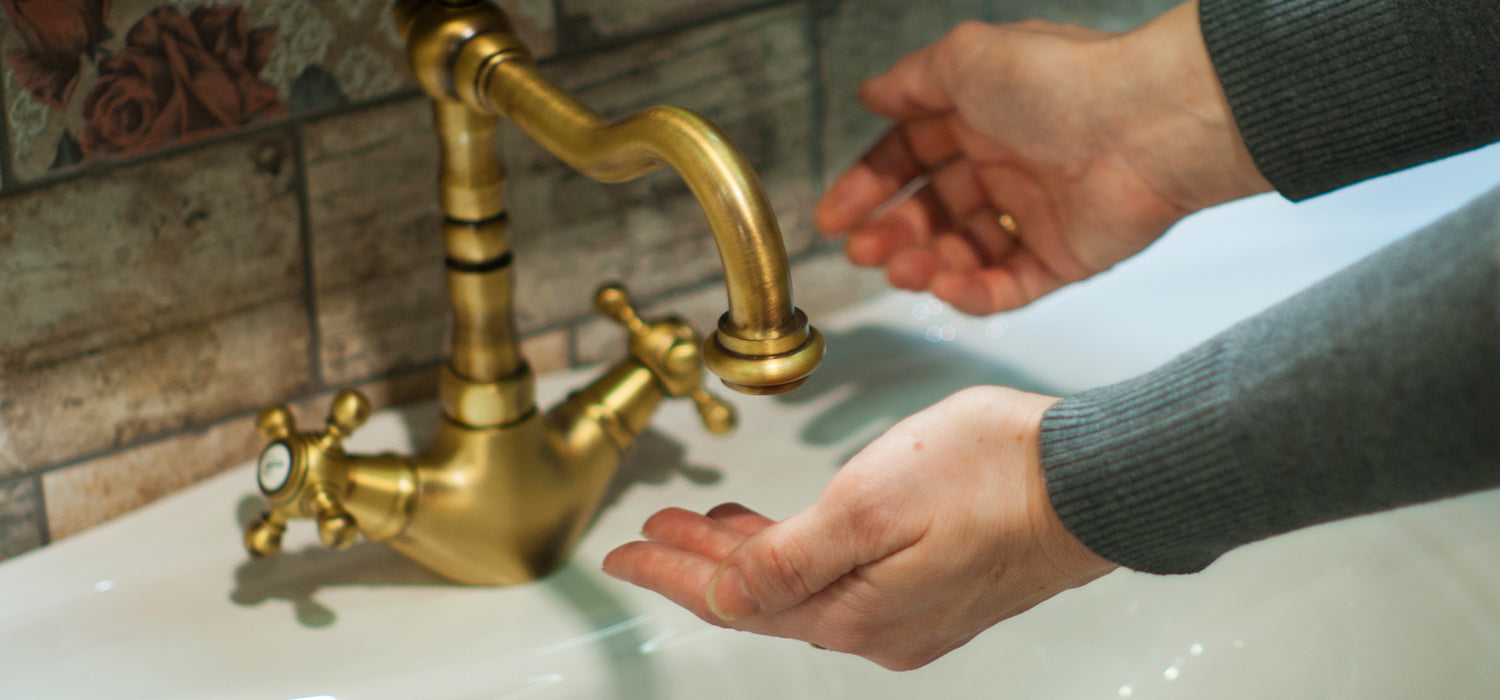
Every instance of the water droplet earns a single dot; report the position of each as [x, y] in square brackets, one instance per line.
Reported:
[1196, 650]
[1171, 673]
[105, 585]
[1125, 691]
[934, 335]
[995, 329]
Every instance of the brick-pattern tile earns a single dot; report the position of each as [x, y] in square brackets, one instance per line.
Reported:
[164, 294]
[377, 241]
[71, 100]
[19, 531]
[586, 22]
[92, 492]
[125, 394]
[752, 76]
[821, 285]
[89, 493]
[861, 38]
[547, 352]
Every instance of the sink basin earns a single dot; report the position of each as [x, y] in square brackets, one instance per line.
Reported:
[163, 603]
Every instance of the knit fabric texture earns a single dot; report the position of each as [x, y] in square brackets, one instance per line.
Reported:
[1376, 388]
[1330, 92]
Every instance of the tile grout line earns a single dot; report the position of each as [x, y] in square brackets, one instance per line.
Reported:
[309, 272]
[91, 168]
[621, 41]
[819, 102]
[43, 527]
[7, 162]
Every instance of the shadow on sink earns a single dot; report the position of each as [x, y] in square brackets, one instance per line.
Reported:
[885, 375]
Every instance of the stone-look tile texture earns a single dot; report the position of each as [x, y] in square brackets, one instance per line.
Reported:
[164, 295]
[377, 244]
[91, 492]
[19, 528]
[862, 38]
[77, 94]
[584, 22]
[751, 76]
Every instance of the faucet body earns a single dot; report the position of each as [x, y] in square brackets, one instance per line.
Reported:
[504, 491]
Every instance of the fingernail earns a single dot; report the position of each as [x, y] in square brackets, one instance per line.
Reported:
[729, 597]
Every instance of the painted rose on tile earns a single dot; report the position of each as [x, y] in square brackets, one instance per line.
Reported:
[179, 77]
[57, 34]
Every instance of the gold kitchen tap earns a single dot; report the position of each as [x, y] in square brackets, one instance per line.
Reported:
[504, 492]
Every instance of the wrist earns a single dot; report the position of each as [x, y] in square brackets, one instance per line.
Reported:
[1170, 115]
[1072, 560]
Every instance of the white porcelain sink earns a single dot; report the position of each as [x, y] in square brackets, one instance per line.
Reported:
[163, 603]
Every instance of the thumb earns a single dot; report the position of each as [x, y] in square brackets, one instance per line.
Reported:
[785, 564]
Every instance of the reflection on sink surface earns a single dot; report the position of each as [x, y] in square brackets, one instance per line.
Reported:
[163, 603]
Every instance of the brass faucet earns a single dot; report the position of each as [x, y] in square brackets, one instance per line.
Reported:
[504, 492]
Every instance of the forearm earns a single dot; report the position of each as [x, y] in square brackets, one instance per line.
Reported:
[1374, 389]
[1330, 92]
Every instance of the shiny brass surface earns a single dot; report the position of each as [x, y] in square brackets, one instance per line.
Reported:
[505, 490]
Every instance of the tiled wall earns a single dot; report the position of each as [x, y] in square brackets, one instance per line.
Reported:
[209, 205]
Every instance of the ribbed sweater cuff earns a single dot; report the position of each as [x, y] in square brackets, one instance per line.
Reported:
[1331, 92]
[1125, 467]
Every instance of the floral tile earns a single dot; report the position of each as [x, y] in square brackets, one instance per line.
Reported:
[90, 79]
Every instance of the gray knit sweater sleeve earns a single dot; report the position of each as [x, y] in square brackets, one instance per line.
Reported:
[1376, 388]
[1331, 92]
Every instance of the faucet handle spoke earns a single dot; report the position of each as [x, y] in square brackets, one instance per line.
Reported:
[718, 416]
[671, 350]
[613, 301]
[263, 537]
[275, 423]
[349, 410]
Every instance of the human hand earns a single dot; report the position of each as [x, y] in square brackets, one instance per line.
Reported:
[1092, 144]
[937, 530]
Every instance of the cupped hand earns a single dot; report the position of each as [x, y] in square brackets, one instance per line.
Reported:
[937, 530]
[1053, 152]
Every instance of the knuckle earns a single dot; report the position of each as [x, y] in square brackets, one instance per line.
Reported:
[786, 563]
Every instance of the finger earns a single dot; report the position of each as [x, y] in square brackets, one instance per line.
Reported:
[888, 166]
[955, 253]
[788, 562]
[1021, 279]
[910, 224]
[695, 533]
[913, 268]
[741, 519]
[991, 240]
[678, 575]
[959, 190]
[911, 89]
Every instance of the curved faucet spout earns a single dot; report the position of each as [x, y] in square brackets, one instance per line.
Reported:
[763, 343]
